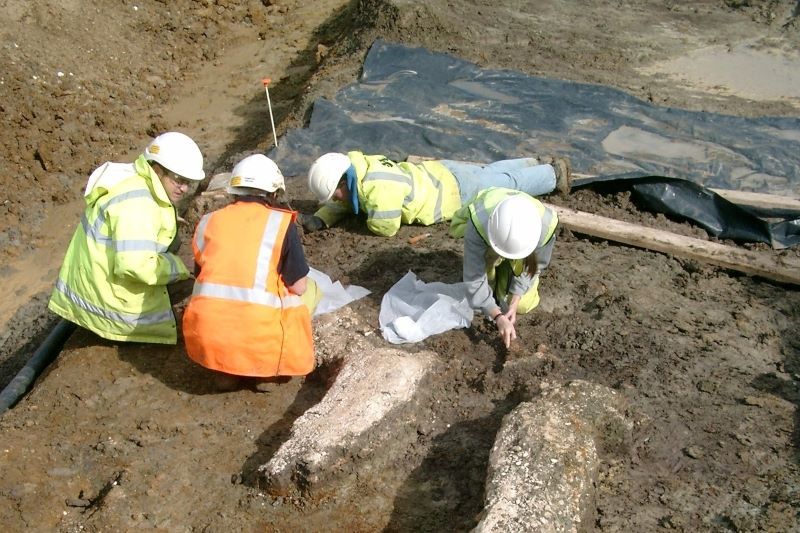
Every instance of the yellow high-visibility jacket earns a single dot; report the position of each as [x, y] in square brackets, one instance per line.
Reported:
[394, 193]
[116, 269]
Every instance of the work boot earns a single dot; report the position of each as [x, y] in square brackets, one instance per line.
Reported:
[563, 174]
[270, 384]
[225, 382]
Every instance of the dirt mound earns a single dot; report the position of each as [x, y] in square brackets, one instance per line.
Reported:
[118, 436]
[82, 82]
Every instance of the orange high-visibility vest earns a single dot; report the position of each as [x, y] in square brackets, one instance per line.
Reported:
[241, 319]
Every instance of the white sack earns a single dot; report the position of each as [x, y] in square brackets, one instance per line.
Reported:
[413, 310]
[334, 295]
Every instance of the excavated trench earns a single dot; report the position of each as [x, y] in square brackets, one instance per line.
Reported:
[703, 361]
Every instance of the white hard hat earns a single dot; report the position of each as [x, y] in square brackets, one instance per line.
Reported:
[177, 152]
[255, 171]
[325, 173]
[514, 227]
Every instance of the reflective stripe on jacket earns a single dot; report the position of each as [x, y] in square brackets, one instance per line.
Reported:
[398, 193]
[242, 319]
[114, 276]
[481, 208]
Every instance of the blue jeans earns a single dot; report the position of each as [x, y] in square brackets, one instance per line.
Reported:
[525, 174]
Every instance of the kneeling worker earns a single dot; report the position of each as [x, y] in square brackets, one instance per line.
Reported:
[122, 255]
[250, 311]
[508, 242]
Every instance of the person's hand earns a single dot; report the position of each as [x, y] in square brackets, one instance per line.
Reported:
[511, 314]
[310, 223]
[506, 329]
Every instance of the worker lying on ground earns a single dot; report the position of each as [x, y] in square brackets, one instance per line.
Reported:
[508, 242]
[250, 312]
[392, 193]
[123, 254]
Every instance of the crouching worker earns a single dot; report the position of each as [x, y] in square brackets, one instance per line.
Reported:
[250, 311]
[508, 241]
[122, 255]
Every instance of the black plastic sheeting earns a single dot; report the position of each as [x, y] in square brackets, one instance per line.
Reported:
[413, 101]
[684, 200]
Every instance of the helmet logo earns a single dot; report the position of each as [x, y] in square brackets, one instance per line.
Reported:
[237, 181]
[154, 149]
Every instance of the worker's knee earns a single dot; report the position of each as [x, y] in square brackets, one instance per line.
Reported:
[530, 299]
[528, 302]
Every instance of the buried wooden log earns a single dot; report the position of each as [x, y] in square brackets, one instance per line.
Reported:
[760, 200]
[783, 269]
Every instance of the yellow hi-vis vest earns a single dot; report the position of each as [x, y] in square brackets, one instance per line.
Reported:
[114, 276]
[479, 211]
[393, 193]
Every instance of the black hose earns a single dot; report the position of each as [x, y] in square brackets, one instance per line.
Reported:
[43, 356]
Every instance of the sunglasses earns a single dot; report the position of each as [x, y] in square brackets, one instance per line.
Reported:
[178, 180]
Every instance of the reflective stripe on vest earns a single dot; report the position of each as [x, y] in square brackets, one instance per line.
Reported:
[389, 176]
[200, 233]
[93, 232]
[437, 210]
[411, 196]
[129, 319]
[257, 293]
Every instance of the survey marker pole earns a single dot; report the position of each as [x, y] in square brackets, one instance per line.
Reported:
[266, 82]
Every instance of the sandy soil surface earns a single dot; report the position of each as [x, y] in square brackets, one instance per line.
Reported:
[120, 437]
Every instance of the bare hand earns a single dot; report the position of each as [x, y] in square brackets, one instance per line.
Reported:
[506, 329]
[511, 315]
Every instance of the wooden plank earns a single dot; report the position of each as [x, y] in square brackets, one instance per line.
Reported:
[766, 265]
[757, 199]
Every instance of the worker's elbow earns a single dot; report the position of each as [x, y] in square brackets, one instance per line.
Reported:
[138, 272]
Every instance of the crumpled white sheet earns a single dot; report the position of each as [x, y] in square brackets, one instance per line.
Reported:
[413, 310]
[334, 295]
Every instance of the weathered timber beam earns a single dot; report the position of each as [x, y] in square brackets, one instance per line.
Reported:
[757, 199]
[768, 266]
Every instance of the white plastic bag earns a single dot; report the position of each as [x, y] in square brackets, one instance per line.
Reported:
[334, 295]
[413, 310]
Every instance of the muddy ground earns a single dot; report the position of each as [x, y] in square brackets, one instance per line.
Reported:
[707, 360]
